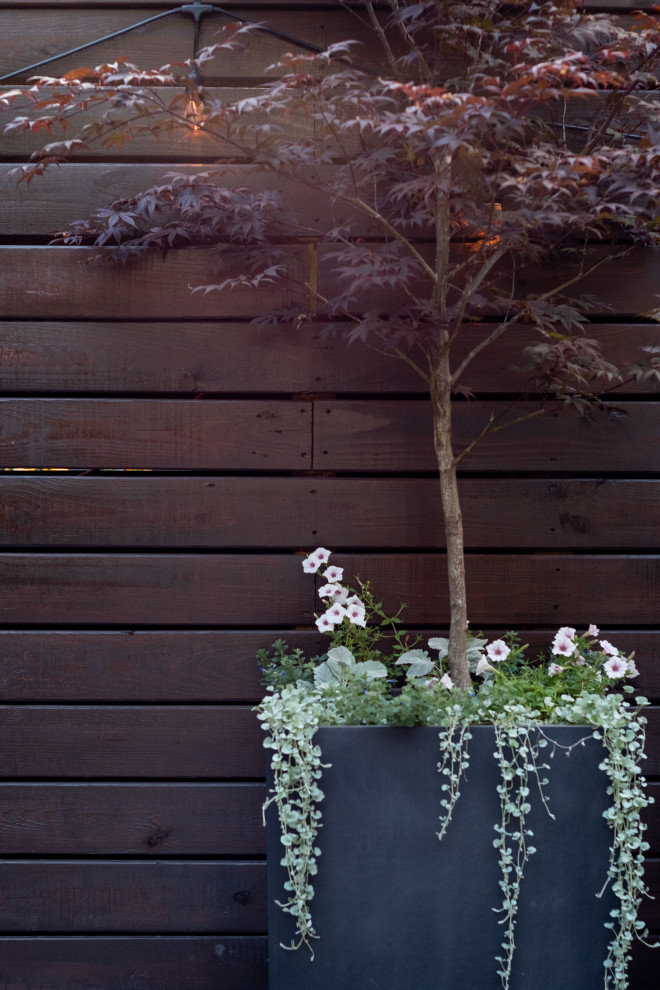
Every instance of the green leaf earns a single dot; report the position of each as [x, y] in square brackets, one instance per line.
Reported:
[371, 669]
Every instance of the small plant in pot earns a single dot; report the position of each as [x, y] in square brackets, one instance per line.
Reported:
[531, 780]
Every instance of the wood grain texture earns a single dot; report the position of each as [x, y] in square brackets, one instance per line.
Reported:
[37, 282]
[152, 820]
[77, 189]
[111, 896]
[184, 962]
[158, 136]
[518, 590]
[246, 512]
[30, 37]
[154, 589]
[159, 742]
[397, 436]
[627, 285]
[189, 357]
[171, 963]
[73, 191]
[236, 590]
[174, 434]
[185, 666]
[122, 896]
[69, 283]
[206, 666]
[132, 742]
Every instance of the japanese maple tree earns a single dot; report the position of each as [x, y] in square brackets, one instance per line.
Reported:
[494, 136]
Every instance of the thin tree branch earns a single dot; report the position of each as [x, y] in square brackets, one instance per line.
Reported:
[489, 432]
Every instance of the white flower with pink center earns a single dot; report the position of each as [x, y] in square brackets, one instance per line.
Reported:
[632, 668]
[483, 666]
[566, 631]
[497, 650]
[593, 630]
[336, 612]
[356, 613]
[615, 667]
[325, 623]
[554, 669]
[562, 646]
[334, 591]
[334, 574]
[311, 564]
[322, 555]
[447, 682]
[608, 648]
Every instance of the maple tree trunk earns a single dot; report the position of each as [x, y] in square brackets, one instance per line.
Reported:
[440, 390]
[440, 387]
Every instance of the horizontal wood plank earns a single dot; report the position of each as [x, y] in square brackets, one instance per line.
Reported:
[184, 962]
[131, 742]
[397, 436]
[626, 284]
[29, 39]
[189, 665]
[154, 589]
[174, 434]
[187, 589]
[171, 963]
[46, 741]
[517, 590]
[73, 191]
[146, 511]
[112, 896]
[189, 357]
[77, 189]
[153, 820]
[38, 281]
[149, 134]
[123, 896]
[203, 665]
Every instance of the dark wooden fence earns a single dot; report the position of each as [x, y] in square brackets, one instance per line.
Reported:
[132, 602]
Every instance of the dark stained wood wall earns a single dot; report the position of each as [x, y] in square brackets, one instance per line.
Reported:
[131, 604]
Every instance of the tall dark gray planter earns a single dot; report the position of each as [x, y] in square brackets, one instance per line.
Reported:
[398, 910]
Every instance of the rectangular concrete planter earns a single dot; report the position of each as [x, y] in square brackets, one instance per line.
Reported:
[396, 909]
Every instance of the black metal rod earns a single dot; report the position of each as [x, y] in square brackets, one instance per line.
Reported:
[197, 10]
[88, 44]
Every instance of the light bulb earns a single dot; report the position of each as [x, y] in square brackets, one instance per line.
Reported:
[194, 112]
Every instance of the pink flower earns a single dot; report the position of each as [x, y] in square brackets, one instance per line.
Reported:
[334, 591]
[608, 648]
[498, 650]
[563, 646]
[593, 630]
[334, 574]
[615, 667]
[554, 668]
[447, 682]
[431, 683]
